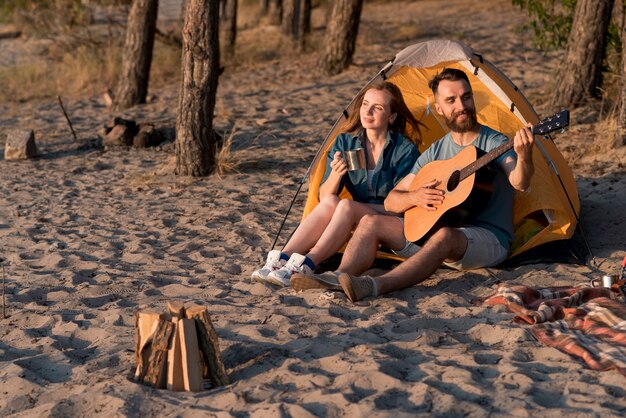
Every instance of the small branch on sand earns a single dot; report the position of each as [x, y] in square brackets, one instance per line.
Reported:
[10, 35]
[69, 122]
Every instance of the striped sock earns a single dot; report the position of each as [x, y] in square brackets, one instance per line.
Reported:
[309, 263]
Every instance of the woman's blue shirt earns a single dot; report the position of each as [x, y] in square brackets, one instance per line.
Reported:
[398, 158]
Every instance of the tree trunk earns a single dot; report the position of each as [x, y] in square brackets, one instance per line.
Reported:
[581, 74]
[329, 11]
[297, 20]
[275, 12]
[340, 39]
[195, 140]
[621, 114]
[132, 87]
[222, 7]
[289, 16]
[264, 7]
[231, 24]
[304, 22]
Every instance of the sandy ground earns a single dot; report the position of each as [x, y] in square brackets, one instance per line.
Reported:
[91, 236]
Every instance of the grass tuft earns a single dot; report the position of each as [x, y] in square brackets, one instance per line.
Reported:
[226, 160]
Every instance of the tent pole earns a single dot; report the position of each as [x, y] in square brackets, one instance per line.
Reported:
[382, 74]
[578, 223]
[288, 210]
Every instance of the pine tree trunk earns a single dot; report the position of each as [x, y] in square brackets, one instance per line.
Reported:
[195, 140]
[304, 22]
[289, 16]
[132, 87]
[621, 111]
[222, 7]
[581, 74]
[264, 7]
[341, 33]
[275, 12]
[329, 11]
[231, 24]
[297, 20]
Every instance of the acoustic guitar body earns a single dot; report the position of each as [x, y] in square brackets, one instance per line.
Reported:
[462, 198]
[467, 180]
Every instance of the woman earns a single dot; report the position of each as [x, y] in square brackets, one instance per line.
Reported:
[380, 127]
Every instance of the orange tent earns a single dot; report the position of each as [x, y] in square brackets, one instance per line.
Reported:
[549, 210]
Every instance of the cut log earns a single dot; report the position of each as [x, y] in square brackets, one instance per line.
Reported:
[176, 308]
[157, 365]
[190, 354]
[174, 362]
[209, 345]
[146, 324]
[120, 135]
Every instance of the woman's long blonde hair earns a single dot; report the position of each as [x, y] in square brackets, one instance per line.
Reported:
[397, 104]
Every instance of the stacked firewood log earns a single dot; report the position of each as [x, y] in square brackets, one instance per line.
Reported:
[178, 350]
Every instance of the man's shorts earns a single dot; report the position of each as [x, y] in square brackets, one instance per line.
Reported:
[483, 250]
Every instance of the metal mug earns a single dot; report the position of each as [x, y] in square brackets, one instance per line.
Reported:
[609, 280]
[355, 159]
[606, 281]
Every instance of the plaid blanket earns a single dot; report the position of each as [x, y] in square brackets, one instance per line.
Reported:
[583, 321]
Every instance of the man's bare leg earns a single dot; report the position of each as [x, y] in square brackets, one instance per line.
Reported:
[447, 244]
[372, 230]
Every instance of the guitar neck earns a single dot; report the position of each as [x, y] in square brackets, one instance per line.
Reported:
[558, 121]
[485, 159]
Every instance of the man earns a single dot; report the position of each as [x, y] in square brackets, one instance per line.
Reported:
[485, 238]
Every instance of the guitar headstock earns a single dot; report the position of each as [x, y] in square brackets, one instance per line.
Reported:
[553, 123]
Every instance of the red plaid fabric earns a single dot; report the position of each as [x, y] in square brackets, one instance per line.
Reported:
[586, 322]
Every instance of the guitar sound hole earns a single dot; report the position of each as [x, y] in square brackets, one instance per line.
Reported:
[453, 181]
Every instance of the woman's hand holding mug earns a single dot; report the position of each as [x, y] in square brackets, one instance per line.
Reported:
[338, 164]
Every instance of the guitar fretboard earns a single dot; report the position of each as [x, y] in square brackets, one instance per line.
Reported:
[485, 159]
[558, 121]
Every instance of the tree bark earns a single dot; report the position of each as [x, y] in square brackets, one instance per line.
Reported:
[196, 142]
[340, 37]
[132, 86]
[275, 12]
[304, 22]
[581, 74]
[329, 11]
[222, 7]
[296, 21]
[289, 16]
[230, 32]
[620, 15]
[264, 7]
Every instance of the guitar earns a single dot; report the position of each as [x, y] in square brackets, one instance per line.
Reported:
[467, 181]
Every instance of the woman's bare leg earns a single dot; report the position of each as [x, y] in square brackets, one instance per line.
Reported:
[347, 215]
[371, 232]
[312, 227]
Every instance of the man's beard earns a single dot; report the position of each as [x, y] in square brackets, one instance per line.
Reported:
[463, 127]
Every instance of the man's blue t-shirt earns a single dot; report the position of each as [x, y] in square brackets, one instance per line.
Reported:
[497, 216]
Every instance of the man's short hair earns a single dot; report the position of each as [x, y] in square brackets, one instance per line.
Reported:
[450, 74]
